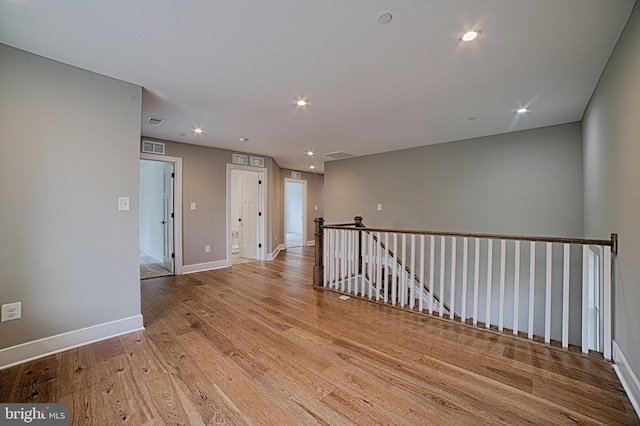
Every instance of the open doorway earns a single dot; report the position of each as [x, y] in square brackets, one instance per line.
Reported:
[295, 213]
[159, 220]
[246, 210]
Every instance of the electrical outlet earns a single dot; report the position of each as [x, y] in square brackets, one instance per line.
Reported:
[379, 207]
[207, 249]
[11, 311]
[193, 206]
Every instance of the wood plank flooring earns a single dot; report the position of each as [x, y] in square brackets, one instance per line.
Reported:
[256, 344]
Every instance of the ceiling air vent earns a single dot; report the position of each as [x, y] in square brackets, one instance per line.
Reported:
[153, 147]
[155, 120]
[295, 175]
[338, 155]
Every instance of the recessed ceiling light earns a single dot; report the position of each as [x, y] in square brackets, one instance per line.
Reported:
[241, 140]
[312, 167]
[522, 110]
[384, 17]
[470, 35]
[309, 153]
[302, 102]
[198, 130]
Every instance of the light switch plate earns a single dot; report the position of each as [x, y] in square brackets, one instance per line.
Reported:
[379, 207]
[124, 204]
[193, 206]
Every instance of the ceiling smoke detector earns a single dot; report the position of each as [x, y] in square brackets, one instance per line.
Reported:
[384, 17]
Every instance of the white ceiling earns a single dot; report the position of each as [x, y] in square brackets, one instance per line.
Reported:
[236, 68]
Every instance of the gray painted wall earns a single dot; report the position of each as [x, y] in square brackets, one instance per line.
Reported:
[69, 148]
[612, 180]
[527, 182]
[204, 182]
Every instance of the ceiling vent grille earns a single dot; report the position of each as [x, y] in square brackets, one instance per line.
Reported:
[153, 147]
[154, 120]
[295, 175]
[338, 155]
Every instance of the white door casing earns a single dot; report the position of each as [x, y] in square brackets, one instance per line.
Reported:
[177, 201]
[261, 207]
[295, 203]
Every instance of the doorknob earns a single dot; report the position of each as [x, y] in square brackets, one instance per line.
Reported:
[163, 222]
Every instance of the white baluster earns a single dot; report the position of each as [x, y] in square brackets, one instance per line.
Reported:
[476, 282]
[585, 298]
[489, 281]
[465, 254]
[403, 273]
[386, 266]
[442, 258]
[421, 295]
[453, 278]
[606, 305]
[547, 307]
[532, 284]
[372, 260]
[379, 265]
[503, 258]
[411, 280]
[516, 289]
[431, 272]
[343, 262]
[394, 280]
[565, 296]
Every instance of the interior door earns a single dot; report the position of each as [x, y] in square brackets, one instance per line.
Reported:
[167, 218]
[249, 217]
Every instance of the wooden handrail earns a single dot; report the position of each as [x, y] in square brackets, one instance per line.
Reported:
[565, 240]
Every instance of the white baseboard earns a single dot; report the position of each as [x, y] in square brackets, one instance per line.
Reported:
[275, 253]
[311, 243]
[40, 348]
[208, 266]
[150, 253]
[627, 378]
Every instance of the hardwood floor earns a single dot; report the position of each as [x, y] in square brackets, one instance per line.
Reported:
[256, 344]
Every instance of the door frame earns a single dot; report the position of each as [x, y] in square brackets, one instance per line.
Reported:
[177, 205]
[262, 207]
[304, 210]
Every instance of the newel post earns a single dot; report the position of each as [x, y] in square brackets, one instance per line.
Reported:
[358, 223]
[318, 267]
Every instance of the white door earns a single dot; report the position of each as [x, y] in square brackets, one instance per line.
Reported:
[248, 217]
[167, 217]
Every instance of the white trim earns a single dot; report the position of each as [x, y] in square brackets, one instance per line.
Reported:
[276, 252]
[262, 206]
[628, 380]
[311, 243]
[208, 266]
[177, 201]
[40, 348]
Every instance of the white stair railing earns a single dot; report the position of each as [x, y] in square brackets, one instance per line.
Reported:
[543, 288]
